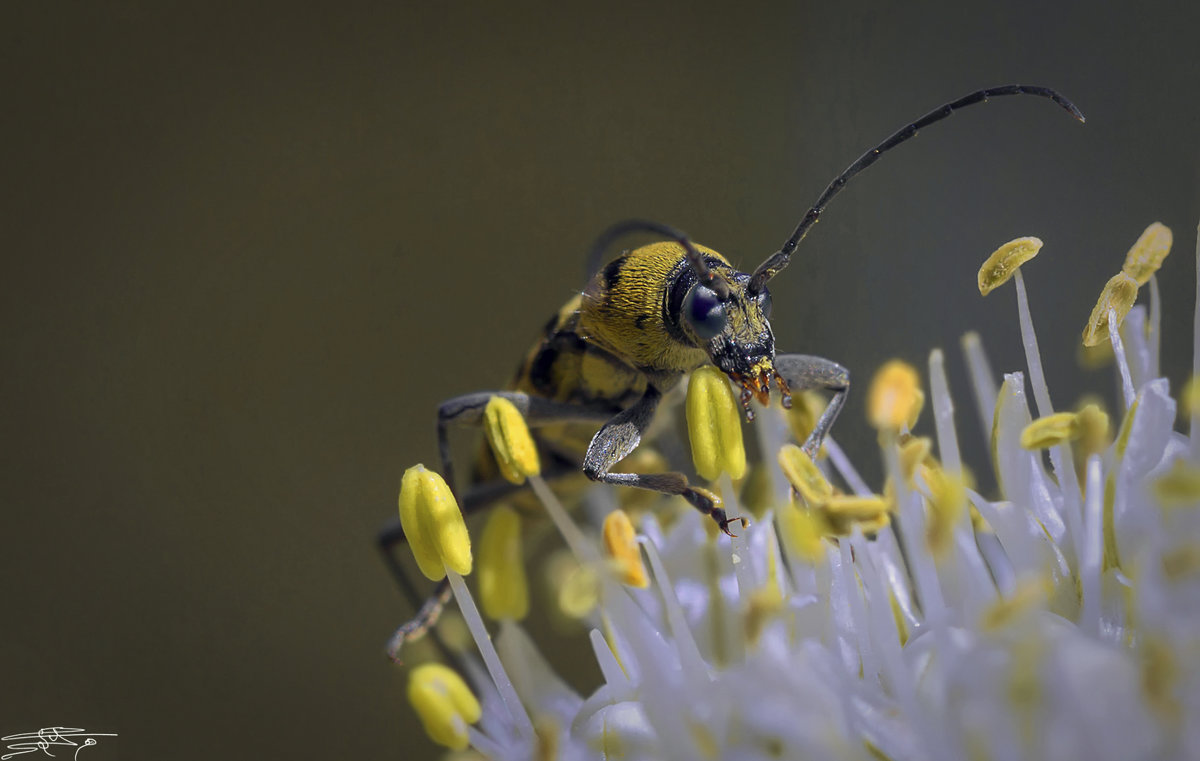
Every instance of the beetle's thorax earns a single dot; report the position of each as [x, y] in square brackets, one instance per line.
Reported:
[641, 306]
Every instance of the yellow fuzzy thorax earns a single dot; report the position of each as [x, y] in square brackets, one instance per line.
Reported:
[622, 309]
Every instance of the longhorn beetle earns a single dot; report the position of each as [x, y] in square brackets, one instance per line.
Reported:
[646, 319]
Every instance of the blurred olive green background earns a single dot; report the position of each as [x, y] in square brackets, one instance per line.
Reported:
[247, 251]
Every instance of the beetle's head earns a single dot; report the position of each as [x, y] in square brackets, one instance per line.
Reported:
[731, 323]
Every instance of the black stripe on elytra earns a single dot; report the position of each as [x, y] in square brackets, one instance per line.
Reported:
[543, 362]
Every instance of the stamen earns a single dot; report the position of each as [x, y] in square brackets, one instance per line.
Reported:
[914, 451]
[713, 425]
[894, 395]
[503, 589]
[1092, 427]
[804, 476]
[1148, 253]
[802, 531]
[509, 437]
[444, 703]
[983, 381]
[491, 659]
[843, 513]
[1180, 486]
[433, 524]
[1090, 562]
[947, 506]
[620, 544]
[1004, 261]
[1118, 295]
[1060, 456]
[1114, 335]
[1045, 432]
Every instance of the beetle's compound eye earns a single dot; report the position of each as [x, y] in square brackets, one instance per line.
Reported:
[704, 312]
[765, 301]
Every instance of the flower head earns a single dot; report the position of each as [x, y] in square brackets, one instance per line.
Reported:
[1057, 618]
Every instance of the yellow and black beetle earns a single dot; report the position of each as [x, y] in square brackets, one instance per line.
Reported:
[643, 321]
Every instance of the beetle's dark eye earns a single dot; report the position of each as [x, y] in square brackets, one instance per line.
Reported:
[765, 301]
[704, 311]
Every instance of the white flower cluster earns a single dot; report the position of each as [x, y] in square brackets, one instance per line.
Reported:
[1060, 621]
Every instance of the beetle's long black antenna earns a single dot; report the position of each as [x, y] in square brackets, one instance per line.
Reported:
[609, 236]
[777, 261]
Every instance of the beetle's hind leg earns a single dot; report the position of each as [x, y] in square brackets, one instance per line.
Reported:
[620, 436]
[804, 372]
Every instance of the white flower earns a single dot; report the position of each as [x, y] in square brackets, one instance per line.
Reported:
[1060, 621]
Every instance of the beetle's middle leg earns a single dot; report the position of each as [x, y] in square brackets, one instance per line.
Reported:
[620, 436]
[804, 372]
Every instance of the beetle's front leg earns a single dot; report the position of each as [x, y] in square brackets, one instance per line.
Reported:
[620, 436]
[804, 372]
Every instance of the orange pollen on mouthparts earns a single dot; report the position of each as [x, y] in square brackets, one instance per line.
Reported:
[757, 385]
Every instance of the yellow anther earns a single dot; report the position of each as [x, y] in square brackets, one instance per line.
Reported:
[948, 501]
[914, 451]
[433, 524]
[918, 405]
[763, 606]
[872, 526]
[801, 531]
[1118, 295]
[1095, 357]
[1191, 396]
[503, 589]
[1179, 486]
[548, 733]
[714, 425]
[577, 590]
[510, 440]
[704, 741]
[895, 395]
[1004, 261]
[1047, 431]
[804, 475]
[802, 418]
[757, 496]
[1161, 672]
[621, 546]
[1092, 429]
[842, 512]
[578, 595]
[445, 704]
[1147, 255]
[1029, 595]
[1182, 563]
